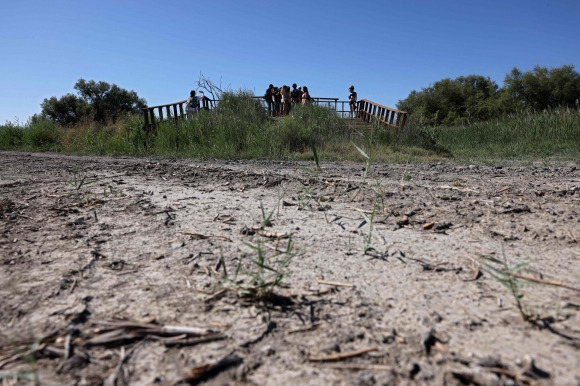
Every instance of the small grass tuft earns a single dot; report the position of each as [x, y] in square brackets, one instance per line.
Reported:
[507, 275]
[259, 278]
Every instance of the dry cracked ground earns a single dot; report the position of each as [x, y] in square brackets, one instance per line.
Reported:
[148, 271]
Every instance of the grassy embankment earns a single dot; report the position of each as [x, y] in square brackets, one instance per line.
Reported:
[237, 128]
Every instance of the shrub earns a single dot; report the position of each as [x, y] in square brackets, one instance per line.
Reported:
[41, 135]
[10, 136]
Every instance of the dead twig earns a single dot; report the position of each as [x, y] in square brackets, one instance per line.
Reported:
[360, 210]
[192, 341]
[123, 331]
[463, 190]
[361, 367]
[304, 329]
[274, 235]
[573, 239]
[547, 282]
[341, 356]
[335, 283]
[199, 236]
[123, 358]
[207, 371]
[216, 296]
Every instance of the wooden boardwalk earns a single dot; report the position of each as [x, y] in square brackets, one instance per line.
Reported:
[368, 112]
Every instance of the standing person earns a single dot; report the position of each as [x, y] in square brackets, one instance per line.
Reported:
[286, 100]
[277, 101]
[295, 94]
[352, 101]
[193, 103]
[305, 95]
[269, 97]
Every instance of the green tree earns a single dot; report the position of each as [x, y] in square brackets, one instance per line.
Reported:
[67, 110]
[541, 88]
[453, 101]
[99, 101]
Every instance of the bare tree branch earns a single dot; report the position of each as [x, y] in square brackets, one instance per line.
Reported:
[208, 85]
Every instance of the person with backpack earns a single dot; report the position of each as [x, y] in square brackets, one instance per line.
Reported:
[193, 103]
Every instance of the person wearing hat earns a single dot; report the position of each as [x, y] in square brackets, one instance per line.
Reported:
[352, 101]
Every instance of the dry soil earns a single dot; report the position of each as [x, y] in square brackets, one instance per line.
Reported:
[112, 272]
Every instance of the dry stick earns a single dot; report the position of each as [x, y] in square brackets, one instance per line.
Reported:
[303, 329]
[360, 210]
[194, 341]
[112, 379]
[548, 282]
[215, 296]
[200, 236]
[16, 357]
[337, 357]
[72, 288]
[335, 283]
[361, 367]
[540, 281]
[571, 235]
[356, 194]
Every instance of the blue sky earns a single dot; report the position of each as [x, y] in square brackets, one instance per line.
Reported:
[385, 48]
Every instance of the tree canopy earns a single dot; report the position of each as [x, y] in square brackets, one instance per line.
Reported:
[467, 99]
[98, 101]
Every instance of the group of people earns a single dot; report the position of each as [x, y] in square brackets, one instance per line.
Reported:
[281, 99]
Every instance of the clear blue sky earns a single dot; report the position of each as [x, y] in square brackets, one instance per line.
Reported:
[385, 48]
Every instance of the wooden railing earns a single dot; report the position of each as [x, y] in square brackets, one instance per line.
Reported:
[175, 111]
[371, 112]
[367, 111]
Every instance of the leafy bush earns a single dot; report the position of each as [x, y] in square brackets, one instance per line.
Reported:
[42, 135]
[10, 136]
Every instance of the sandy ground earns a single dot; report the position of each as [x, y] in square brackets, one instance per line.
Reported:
[118, 278]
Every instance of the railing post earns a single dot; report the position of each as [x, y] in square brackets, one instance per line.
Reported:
[175, 116]
[146, 123]
[403, 120]
[151, 114]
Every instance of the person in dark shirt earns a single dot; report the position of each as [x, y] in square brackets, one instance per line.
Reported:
[269, 97]
[295, 94]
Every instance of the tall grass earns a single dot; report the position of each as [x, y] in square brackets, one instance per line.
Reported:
[550, 135]
[239, 128]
